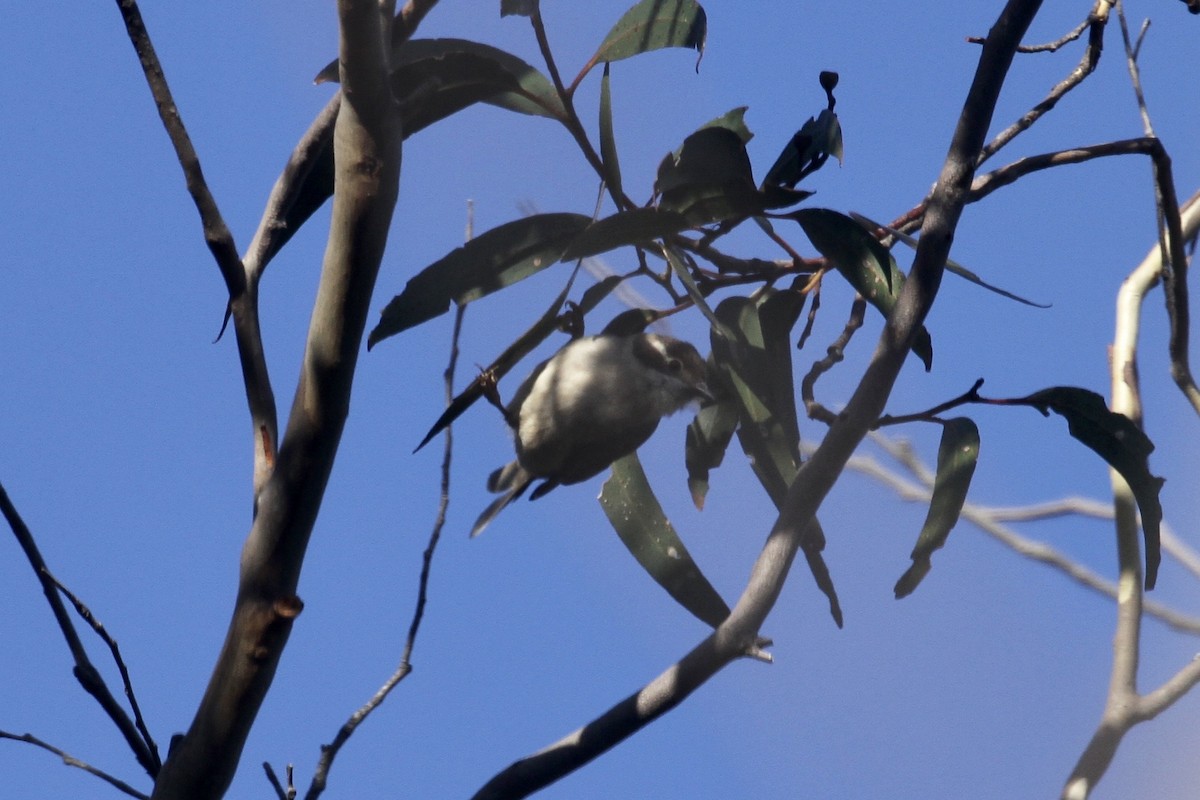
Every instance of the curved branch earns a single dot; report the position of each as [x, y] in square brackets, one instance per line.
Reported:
[737, 634]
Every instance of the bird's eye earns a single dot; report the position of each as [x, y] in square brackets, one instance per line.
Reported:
[674, 366]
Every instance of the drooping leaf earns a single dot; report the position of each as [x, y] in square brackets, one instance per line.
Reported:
[1121, 443]
[498, 258]
[759, 372]
[608, 140]
[957, 455]
[639, 226]
[708, 438]
[638, 519]
[951, 265]
[863, 262]
[653, 25]
[753, 367]
[522, 347]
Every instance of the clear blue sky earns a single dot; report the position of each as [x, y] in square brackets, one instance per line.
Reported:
[125, 443]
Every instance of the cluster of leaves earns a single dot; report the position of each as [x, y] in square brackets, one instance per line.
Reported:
[702, 190]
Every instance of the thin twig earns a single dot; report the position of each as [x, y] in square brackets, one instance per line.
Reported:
[273, 779]
[1135, 74]
[71, 761]
[833, 355]
[115, 649]
[243, 293]
[1096, 23]
[329, 752]
[87, 674]
[1048, 47]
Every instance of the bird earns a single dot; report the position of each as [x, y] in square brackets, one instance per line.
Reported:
[597, 399]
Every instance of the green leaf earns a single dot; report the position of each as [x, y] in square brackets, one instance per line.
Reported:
[639, 520]
[639, 226]
[608, 141]
[708, 438]
[431, 89]
[957, 455]
[498, 258]
[951, 266]
[1121, 443]
[693, 291]
[753, 368]
[708, 178]
[653, 25]
[734, 120]
[758, 370]
[522, 88]
[523, 346]
[863, 262]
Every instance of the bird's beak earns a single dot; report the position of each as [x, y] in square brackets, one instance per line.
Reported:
[703, 394]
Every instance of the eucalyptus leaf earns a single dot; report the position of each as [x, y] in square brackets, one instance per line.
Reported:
[653, 25]
[643, 527]
[1121, 443]
[639, 226]
[752, 367]
[608, 140]
[708, 437]
[530, 91]
[863, 262]
[709, 177]
[952, 266]
[958, 454]
[487, 263]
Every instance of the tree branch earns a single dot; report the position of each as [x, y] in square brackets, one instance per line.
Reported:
[243, 293]
[71, 761]
[738, 632]
[366, 142]
[85, 672]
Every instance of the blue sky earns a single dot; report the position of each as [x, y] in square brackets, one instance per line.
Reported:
[124, 438]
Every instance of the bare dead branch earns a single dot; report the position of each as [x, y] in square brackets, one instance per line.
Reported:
[1096, 23]
[243, 294]
[816, 477]
[71, 761]
[216, 232]
[273, 779]
[115, 650]
[1010, 173]
[85, 672]
[1048, 47]
[1124, 707]
[1135, 74]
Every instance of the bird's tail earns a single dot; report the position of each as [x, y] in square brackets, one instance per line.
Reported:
[510, 482]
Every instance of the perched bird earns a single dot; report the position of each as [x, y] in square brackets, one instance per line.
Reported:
[594, 401]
